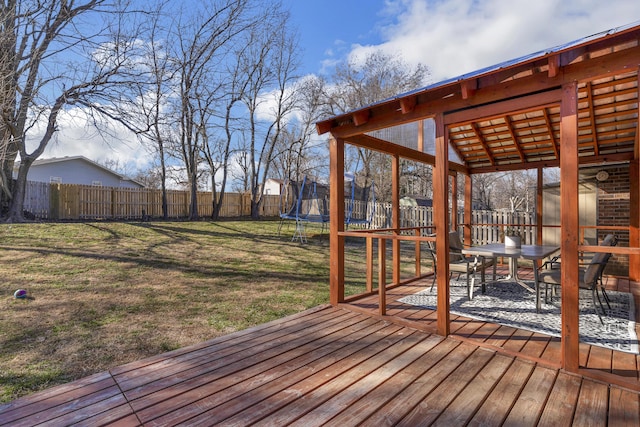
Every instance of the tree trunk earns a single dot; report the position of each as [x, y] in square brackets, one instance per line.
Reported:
[217, 205]
[255, 209]
[16, 205]
[6, 186]
[163, 183]
[193, 206]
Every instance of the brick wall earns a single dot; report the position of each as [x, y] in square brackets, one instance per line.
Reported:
[613, 210]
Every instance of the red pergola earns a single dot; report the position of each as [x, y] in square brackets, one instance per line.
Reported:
[566, 107]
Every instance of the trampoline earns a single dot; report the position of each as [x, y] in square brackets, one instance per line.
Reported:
[307, 201]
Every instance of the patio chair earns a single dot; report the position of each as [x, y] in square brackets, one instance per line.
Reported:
[461, 264]
[590, 278]
[555, 261]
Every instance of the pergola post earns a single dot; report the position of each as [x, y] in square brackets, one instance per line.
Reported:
[634, 203]
[454, 202]
[441, 222]
[336, 225]
[569, 225]
[468, 208]
[634, 218]
[395, 217]
[539, 206]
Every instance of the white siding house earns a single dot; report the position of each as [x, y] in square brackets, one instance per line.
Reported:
[77, 170]
[273, 186]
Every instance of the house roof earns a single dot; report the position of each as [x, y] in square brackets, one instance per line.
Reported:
[507, 116]
[65, 159]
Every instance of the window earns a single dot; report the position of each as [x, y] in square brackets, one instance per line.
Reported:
[96, 183]
[55, 180]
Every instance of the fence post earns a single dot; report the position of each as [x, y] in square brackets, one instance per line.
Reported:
[113, 203]
[54, 201]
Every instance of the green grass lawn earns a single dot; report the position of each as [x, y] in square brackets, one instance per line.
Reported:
[106, 293]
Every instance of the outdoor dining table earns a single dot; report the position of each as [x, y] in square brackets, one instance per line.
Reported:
[533, 253]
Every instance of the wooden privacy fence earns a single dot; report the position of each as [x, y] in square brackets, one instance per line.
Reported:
[85, 202]
[81, 202]
[488, 226]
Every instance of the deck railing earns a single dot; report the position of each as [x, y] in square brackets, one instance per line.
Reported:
[410, 262]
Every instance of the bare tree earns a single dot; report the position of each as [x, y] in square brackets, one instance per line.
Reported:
[483, 186]
[363, 81]
[203, 39]
[240, 171]
[223, 134]
[53, 56]
[299, 151]
[511, 191]
[150, 117]
[275, 61]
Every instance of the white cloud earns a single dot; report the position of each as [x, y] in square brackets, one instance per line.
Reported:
[77, 136]
[454, 37]
[451, 37]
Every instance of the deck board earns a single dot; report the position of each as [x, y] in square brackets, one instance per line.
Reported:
[600, 359]
[560, 407]
[345, 355]
[429, 408]
[347, 396]
[326, 390]
[212, 378]
[464, 406]
[97, 390]
[380, 396]
[410, 397]
[624, 407]
[533, 398]
[506, 392]
[591, 408]
[343, 366]
[625, 364]
[313, 379]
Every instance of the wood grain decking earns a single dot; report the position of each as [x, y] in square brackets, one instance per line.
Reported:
[341, 366]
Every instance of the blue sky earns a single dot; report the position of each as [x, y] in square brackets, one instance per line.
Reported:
[450, 37]
[327, 35]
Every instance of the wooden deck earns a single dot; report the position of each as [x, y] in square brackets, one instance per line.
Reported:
[596, 362]
[345, 366]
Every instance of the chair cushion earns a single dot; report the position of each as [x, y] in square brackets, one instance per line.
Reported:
[460, 267]
[455, 247]
[609, 240]
[552, 277]
[466, 265]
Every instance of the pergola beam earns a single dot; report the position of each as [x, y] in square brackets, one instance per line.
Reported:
[514, 137]
[376, 144]
[554, 65]
[447, 98]
[551, 134]
[483, 143]
[468, 88]
[502, 108]
[609, 158]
